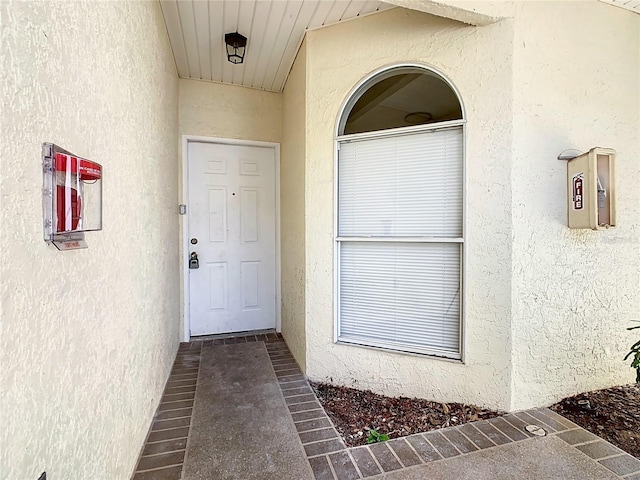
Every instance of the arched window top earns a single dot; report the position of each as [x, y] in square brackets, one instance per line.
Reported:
[400, 97]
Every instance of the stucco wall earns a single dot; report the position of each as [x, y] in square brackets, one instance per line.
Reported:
[228, 111]
[292, 209]
[88, 336]
[576, 85]
[486, 87]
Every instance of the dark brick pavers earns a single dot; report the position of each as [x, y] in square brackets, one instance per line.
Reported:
[163, 453]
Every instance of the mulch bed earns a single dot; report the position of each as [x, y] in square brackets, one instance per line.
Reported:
[612, 413]
[355, 412]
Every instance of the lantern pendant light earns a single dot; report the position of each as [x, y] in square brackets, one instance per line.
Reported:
[236, 45]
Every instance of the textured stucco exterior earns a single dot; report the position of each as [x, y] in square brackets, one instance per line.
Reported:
[88, 336]
[576, 85]
[228, 111]
[292, 209]
[454, 49]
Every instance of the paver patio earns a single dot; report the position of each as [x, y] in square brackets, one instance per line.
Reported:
[240, 408]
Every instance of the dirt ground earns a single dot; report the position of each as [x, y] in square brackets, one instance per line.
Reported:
[354, 412]
[612, 413]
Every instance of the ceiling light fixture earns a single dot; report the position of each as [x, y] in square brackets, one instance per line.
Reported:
[236, 46]
[418, 117]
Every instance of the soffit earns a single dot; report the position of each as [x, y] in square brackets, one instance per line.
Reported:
[633, 5]
[274, 30]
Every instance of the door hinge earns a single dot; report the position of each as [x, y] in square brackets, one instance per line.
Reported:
[182, 209]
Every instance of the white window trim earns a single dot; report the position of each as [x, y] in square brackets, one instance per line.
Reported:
[338, 139]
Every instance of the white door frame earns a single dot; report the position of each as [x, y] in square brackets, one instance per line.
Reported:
[184, 224]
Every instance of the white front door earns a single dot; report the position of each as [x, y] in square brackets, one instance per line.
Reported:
[232, 229]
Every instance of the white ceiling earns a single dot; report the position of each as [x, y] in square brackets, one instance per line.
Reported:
[274, 31]
[633, 5]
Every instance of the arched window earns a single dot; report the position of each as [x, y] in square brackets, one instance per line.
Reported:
[400, 222]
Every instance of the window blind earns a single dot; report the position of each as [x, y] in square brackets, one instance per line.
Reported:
[408, 185]
[393, 293]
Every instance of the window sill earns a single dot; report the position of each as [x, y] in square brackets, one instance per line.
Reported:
[422, 354]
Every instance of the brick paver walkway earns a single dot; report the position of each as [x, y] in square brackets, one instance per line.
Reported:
[330, 459]
[164, 452]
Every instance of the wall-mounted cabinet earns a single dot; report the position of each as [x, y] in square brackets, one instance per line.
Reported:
[591, 190]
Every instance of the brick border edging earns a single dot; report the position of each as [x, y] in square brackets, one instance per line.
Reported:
[164, 449]
[599, 450]
[330, 459]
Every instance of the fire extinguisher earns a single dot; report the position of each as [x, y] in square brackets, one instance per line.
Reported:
[71, 173]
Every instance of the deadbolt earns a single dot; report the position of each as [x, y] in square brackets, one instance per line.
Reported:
[194, 241]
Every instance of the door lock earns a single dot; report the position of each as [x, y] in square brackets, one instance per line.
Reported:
[193, 261]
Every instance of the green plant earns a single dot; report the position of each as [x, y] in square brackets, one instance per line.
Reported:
[635, 351]
[375, 437]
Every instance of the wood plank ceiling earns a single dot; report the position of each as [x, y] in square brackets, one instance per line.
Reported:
[274, 31]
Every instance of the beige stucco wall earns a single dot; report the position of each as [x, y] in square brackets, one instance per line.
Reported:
[292, 209]
[486, 88]
[576, 85]
[228, 111]
[88, 336]
[217, 110]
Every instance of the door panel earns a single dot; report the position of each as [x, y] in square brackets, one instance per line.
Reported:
[232, 216]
